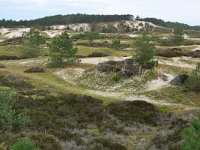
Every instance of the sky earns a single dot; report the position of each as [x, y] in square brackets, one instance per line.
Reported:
[185, 11]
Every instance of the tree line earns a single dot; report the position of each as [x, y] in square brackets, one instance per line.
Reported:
[64, 19]
[169, 24]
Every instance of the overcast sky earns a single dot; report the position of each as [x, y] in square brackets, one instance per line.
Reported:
[186, 11]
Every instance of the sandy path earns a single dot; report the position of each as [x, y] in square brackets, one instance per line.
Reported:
[96, 60]
[197, 48]
[176, 61]
[171, 62]
[132, 97]
[27, 62]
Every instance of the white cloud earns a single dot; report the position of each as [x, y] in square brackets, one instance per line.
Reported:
[173, 10]
[40, 2]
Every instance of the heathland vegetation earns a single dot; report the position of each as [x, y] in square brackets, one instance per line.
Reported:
[134, 88]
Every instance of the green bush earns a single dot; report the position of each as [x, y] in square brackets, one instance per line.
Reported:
[24, 144]
[90, 36]
[145, 51]
[116, 44]
[109, 29]
[192, 136]
[62, 49]
[33, 38]
[177, 38]
[116, 78]
[9, 118]
[193, 82]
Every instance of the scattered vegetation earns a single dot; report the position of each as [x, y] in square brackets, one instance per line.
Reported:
[36, 108]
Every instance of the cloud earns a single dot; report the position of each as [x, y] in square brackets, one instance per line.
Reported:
[172, 10]
[40, 2]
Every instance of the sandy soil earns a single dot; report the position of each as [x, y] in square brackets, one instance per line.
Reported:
[53, 33]
[176, 61]
[70, 75]
[27, 62]
[96, 60]
[16, 33]
[160, 82]
[131, 97]
[197, 48]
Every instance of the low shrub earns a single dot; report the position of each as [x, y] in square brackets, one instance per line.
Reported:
[46, 141]
[14, 81]
[2, 66]
[106, 144]
[34, 70]
[97, 54]
[193, 81]
[6, 57]
[9, 118]
[138, 111]
[116, 78]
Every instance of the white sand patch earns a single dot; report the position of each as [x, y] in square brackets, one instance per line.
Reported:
[4, 31]
[160, 82]
[196, 48]
[194, 39]
[16, 33]
[59, 27]
[75, 27]
[134, 35]
[116, 26]
[80, 27]
[70, 75]
[53, 33]
[27, 62]
[97, 60]
[176, 62]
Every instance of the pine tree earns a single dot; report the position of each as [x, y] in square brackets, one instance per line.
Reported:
[62, 48]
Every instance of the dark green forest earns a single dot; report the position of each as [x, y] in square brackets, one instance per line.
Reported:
[169, 24]
[85, 18]
[64, 19]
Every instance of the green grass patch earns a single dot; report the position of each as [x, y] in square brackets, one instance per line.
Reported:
[85, 51]
[22, 51]
[174, 69]
[177, 95]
